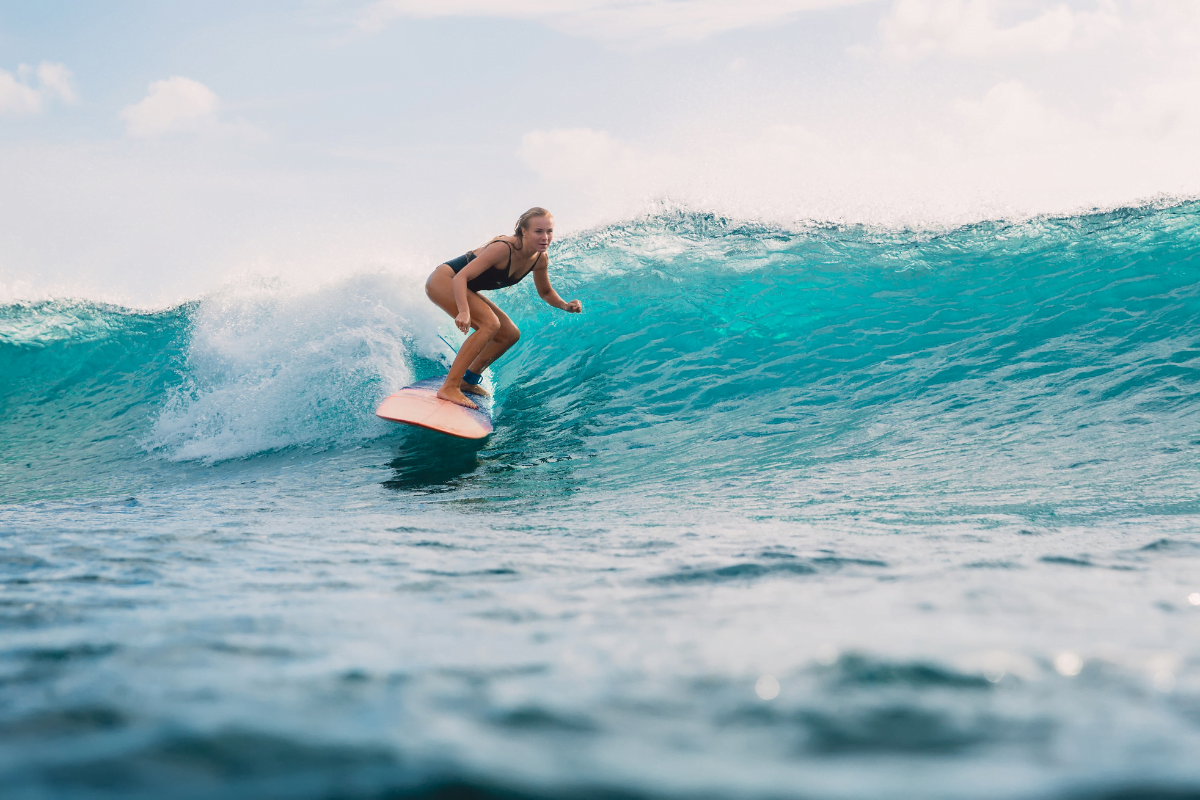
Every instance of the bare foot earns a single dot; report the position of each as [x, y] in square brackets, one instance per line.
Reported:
[455, 396]
[475, 389]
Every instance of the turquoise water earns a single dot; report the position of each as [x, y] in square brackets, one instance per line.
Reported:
[819, 512]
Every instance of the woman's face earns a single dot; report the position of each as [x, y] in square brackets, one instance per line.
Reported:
[540, 233]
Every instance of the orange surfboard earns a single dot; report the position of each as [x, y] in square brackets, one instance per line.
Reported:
[419, 405]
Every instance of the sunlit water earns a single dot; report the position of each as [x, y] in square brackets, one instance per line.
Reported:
[814, 513]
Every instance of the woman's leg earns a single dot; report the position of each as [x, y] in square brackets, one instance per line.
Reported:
[505, 338]
[440, 289]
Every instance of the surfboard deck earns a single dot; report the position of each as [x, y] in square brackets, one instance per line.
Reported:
[419, 405]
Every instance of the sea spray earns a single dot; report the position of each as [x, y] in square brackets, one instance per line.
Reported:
[269, 367]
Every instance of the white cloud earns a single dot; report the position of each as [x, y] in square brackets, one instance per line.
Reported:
[19, 94]
[589, 157]
[17, 97]
[916, 29]
[1011, 150]
[612, 20]
[591, 169]
[56, 80]
[1159, 110]
[174, 104]
[1011, 113]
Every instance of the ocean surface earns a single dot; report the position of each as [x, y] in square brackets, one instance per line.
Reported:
[815, 512]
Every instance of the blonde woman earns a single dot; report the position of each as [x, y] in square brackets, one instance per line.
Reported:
[456, 285]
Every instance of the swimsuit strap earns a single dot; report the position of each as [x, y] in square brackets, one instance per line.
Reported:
[533, 266]
[508, 266]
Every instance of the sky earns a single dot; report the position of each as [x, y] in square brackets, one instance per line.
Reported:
[151, 152]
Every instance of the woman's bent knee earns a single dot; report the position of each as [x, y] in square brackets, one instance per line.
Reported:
[489, 326]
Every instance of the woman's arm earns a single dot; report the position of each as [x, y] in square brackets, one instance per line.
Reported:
[488, 257]
[541, 279]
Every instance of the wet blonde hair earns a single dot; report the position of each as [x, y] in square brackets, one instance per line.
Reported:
[523, 222]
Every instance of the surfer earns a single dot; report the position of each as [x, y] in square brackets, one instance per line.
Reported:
[455, 287]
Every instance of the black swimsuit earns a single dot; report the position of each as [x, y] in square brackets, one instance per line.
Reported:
[493, 277]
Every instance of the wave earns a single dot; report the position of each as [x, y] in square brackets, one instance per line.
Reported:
[79, 382]
[95, 396]
[994, 357]
[711, 350]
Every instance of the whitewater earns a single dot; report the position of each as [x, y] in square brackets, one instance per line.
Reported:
[816, 510]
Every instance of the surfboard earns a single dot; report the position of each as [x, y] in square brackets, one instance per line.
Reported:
[419, 405]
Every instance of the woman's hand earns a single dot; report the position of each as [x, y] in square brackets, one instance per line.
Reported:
[463, 321]
[574, 307]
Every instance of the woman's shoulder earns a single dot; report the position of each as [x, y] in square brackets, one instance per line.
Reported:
[511, 241]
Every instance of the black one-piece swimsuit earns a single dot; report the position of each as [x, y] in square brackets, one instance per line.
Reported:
[493, 277]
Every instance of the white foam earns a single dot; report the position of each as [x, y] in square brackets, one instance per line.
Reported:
[271, 366]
